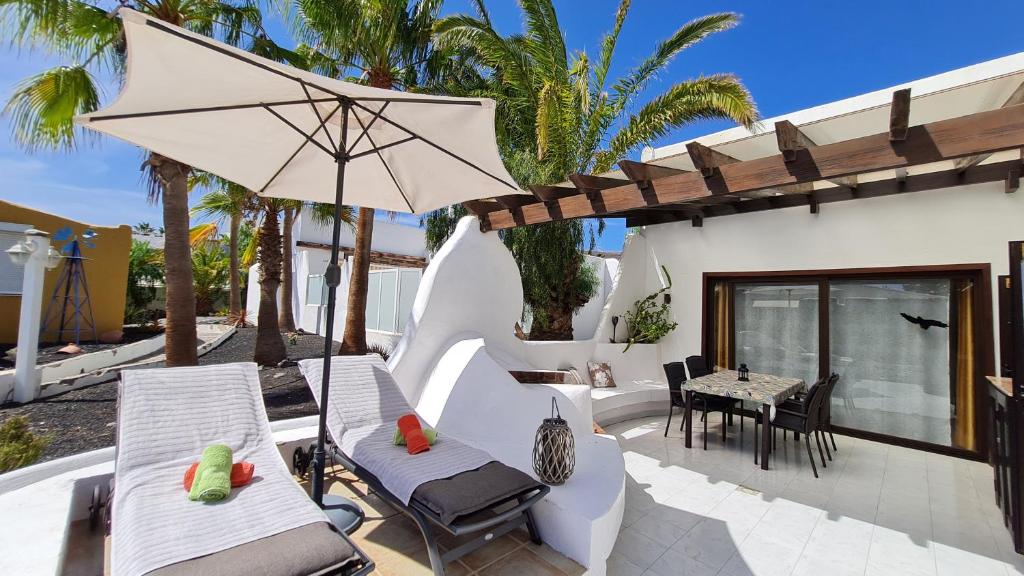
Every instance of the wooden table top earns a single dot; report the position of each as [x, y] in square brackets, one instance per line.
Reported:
[1004, 385]
[762, 388]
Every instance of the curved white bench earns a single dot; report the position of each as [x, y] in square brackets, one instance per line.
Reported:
[629, 399]
[640, 386]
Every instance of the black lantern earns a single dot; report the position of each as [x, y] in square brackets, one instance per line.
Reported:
[744, 373]
[615, 324]
[554, 451]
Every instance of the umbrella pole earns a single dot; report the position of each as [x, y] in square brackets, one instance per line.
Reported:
[333, 278]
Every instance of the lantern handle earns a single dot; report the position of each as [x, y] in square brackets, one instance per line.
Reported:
[554, 409]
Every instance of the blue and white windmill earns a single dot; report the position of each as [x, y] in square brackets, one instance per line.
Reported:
[71, 311]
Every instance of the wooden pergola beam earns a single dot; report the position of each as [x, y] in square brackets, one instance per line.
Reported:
[899, 115]
[481, 207]
[590, 184]
[1016, 98]
[553, 193]
[708, 160]
[913, 183]
[643, 172]
[791, 140]
[514, 201]
[981, 133]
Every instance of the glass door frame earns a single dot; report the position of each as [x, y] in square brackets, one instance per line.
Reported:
[984, 353]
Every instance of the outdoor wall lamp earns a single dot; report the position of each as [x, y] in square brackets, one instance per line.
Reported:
[53, 258]
[21, 252]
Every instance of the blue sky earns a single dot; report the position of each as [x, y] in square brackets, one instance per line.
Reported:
[791, 55]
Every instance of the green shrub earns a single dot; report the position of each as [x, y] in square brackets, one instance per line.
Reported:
[18, 445]
[649, 321]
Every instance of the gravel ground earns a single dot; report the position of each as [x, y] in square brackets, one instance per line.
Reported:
[85, 419]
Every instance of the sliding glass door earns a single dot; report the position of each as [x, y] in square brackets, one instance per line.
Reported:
[904, 345]
[776, 329]
[890, 343]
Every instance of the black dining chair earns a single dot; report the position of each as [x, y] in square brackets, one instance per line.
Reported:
[804, 418]
[826, 412]
[675, 373]
[825, 419]
[697, 367]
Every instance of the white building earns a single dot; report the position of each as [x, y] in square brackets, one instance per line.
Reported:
[398, 257]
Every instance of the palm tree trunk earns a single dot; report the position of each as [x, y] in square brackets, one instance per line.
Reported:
[287, 319]
[558, 327]
[234, 279]
[180, 327]
[354, 341]
[270, 349]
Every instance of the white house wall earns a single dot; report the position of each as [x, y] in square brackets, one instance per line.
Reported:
[387, 236]
[587, 319]
[968, 224]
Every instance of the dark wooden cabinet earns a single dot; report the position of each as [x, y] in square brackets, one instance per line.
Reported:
[1004, 438]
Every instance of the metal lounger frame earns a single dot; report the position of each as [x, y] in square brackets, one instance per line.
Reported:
[502, 523]
[339, 569]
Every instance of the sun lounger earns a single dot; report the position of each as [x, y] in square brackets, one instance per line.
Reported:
[453, 487]
[269, 527]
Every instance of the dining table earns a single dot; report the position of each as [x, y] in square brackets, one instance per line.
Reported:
[767, 389]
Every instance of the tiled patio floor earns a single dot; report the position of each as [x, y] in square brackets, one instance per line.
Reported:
[395, 544]
[876, 510]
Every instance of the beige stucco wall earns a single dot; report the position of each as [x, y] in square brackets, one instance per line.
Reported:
[106, 270]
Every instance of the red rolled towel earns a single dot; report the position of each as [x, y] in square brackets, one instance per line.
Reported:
[241, 474]
[415, 441]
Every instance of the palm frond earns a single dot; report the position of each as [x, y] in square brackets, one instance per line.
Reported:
[43, 107]
[202, 234]
[717, 97]
[687, 35]
[608, 47]
[323, 214]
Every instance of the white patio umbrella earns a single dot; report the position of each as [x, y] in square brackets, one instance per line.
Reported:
[288, 133]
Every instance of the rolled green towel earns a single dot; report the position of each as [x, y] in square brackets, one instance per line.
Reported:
[213, 476]
[429, 433]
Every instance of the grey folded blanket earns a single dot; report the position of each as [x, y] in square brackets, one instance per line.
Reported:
[473, 491]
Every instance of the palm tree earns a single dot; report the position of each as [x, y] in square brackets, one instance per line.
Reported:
[286, 320]
[270, 349]
[228, 202]
[270, 254]
[387, 42]
[210, 271]
[42, 108]
[559, 115]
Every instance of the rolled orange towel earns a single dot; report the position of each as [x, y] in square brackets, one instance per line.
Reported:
[241, 474]
[415, 441]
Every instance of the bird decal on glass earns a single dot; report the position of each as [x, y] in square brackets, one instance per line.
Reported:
[924, 323]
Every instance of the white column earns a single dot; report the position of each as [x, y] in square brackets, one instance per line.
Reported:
[26, 377]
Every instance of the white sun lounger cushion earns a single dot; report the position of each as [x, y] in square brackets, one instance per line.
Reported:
[365, 404]
[166, 418]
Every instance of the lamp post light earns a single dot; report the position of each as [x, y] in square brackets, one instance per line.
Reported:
[37, 256]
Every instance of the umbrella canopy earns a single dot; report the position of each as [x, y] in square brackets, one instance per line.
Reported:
[276, 129]
[287, 133]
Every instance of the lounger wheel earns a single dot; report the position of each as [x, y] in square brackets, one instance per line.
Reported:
[300, 462]
[96, 507]
[108, 510]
